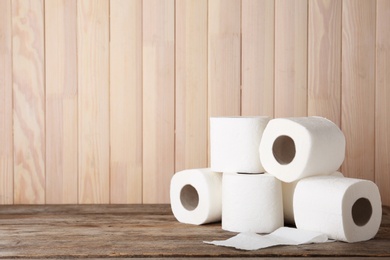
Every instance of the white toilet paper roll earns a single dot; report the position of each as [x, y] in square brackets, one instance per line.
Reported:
[196, 196]
[288, 190]
[343, 208]
[234, 143]
[294, 148]
[251, 203]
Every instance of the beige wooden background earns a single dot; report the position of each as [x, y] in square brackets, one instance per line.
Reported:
[101, 101]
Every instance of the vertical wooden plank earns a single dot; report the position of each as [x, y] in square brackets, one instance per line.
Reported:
[6, 144]
[358, 87]
[29, 101]
[382, 113]
[324, 59]
[158, 99]
[93, 104]
[290, 58]
[126, 101]
[258, 57]
[224, 58]
[61, 101]
[191, 84]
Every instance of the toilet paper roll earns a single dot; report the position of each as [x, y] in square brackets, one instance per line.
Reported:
[294, 148]
[234, 143]
[196, 196]
[288, 190]
[251, 203]
[343, 208]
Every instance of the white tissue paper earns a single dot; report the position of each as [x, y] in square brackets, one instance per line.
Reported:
[345, 209]
[234, 143]
[288, 190]
[251, 203]
[282, 236]
[295, 148]
[196, 196]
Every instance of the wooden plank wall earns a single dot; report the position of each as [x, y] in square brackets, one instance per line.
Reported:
[126, 101]
[61, 101]
[158, 50]
[101, 101]
[6, 105]
[290, 58]
[28, 68]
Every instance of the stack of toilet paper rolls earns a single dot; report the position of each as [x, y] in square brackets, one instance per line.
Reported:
[269, 172]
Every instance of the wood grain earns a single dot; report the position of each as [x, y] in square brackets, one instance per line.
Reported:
[191, 85]
[291, 58]
[224, 61]
[158, 99]
[28, 101]
[127, 231]
[382, 112]
[257, 69]
[61, 101]
[126, 101]
[358, 87]
[6, 130]
[101, 101]
[93, 102]
[324, 59]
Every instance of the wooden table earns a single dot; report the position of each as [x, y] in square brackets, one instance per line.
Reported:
[109, 231]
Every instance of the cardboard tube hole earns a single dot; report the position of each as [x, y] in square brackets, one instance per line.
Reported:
[189, 197]
[283, 149]
[361, 211]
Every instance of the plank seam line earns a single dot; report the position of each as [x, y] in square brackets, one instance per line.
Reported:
[307, 56]
[375, 83]
[12, 103]
[109, 101]
[240, 57]
[274, 65]
[44, 98]
[341, 70]
[174, 87]
[142, 101]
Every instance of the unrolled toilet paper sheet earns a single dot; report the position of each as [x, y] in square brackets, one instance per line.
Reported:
[281, 236]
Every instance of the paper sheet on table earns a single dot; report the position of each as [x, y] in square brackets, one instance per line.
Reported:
[281, 236]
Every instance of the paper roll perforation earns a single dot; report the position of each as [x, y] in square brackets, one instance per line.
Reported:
[295, 148]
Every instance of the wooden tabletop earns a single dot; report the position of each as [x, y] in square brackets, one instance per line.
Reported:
[109, 231]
